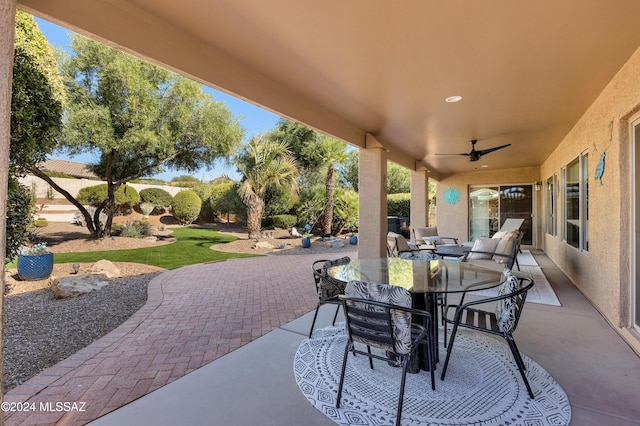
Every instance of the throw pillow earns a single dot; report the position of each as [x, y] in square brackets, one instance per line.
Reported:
[506, 309]
[499, 235]
[505, 246]
[483, 244]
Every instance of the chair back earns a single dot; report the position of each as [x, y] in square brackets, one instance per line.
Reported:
[371, 318]
[328, 288]
[509, 308]
[427, 234]
[511, 224]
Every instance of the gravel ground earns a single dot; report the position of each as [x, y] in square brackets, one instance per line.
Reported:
[40, 331]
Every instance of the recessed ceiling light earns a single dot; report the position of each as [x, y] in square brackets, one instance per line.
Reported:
[484, 165]
[452, 99]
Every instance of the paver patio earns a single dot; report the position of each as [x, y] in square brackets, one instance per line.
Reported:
[193, 316]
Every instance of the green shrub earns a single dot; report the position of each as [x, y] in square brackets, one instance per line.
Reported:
[399, 205]
[125, 197]
[186, 206]
[41, 222]
[156, 196]
[266, 222]
[284, 221]
[145, 222]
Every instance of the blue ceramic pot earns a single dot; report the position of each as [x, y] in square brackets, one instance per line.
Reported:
[306, 242]
[353, 240]
[38, 267]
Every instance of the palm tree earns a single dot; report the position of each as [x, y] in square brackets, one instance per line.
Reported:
[317, 153]
[264, 164]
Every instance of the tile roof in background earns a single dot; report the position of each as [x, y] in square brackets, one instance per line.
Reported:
[70, 168]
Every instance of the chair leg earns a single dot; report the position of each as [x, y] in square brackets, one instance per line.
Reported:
[347, 348]
[370, 357]
[449, 347]
[520, 364]
[314, 320]
[405, 363]
[336, 315]
[518, 352]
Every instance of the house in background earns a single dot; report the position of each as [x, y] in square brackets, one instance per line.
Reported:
[69, 168]
[410, 81]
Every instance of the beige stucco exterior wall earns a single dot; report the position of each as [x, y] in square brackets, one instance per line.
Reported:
[603, 273]
[453, 219]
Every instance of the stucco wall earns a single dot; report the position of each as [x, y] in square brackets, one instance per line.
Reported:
[73, 186]
[453, 219]
[602, 273]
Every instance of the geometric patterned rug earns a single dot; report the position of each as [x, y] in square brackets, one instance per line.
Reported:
[482, 387]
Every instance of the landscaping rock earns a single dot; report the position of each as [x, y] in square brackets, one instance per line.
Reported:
[105, 267]
[263, 245]
[77, 285]
[335, 243]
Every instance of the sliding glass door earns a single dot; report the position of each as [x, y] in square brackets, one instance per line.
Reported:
[490, 206]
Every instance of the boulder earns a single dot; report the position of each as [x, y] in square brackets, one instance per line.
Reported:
[263, 245]
[334, 243]
[76, 285]
[105, 267]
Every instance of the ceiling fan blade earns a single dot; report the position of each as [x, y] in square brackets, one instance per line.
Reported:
[495, 148]
[465, 154]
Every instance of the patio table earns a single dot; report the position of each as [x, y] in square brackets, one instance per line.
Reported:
[450, 250]
[425, 280]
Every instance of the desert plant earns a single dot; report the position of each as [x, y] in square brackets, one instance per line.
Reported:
[146, 208]
[186, 206]
[134, 230]
[78, 218]
[41, 222]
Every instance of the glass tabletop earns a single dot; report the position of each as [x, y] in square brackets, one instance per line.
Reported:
[419, 276]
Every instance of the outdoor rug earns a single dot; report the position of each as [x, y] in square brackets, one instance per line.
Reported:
[482, 387]
[540, 293]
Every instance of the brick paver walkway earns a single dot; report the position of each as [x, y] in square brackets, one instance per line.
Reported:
[193, 316]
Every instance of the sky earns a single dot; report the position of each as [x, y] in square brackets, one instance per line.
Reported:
[253, 119]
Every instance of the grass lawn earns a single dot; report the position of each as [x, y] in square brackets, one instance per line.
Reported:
[191, 247]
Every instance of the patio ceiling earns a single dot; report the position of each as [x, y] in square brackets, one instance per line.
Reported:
[526, 70]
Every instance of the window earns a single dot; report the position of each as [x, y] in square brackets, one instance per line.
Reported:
[550, 206]
[576, 194]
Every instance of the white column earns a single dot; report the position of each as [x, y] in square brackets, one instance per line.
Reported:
[372, 180]
[419, 199]
[7, 35]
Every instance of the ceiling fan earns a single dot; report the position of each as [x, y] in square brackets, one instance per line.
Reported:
[475, 155]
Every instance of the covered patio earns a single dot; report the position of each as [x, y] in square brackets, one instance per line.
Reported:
[559, 82]
[200, 353]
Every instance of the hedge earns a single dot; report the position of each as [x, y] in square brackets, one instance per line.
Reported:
[156, 196]
[399, 205]
[125, 196]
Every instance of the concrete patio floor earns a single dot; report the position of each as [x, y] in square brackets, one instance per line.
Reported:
[215, 344]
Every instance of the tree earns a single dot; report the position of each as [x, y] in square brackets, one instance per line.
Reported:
[315, 152]
[349, 170]
[138, 119]
[36, 121]
[265, 164]
[398, 179]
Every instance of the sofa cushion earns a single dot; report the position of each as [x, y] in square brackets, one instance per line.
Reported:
[483, 244]
[505, 246]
